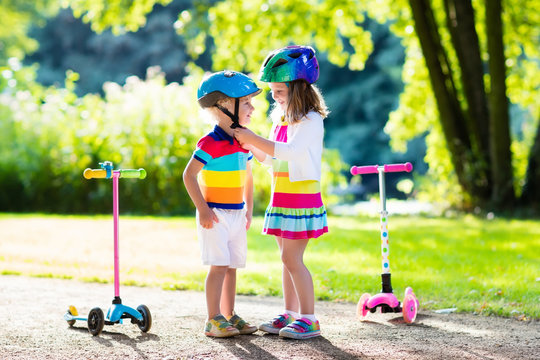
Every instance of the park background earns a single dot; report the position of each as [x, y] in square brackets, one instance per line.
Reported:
[450, 86]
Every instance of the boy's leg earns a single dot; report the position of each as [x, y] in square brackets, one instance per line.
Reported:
[290, 297]
[228, 293]
[292, 255]
[213, 288]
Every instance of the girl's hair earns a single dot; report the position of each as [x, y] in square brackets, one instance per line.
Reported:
[303, 98]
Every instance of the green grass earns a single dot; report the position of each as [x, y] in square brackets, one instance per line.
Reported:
[475, 265]
[472, 264]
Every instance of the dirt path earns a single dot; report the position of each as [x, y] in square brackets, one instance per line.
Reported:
[32, 327]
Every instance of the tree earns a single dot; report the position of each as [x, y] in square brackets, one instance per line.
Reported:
[465, 63]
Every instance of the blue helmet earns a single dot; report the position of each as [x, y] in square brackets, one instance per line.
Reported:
[223, 84]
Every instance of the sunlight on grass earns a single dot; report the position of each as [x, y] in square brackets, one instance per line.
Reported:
[485, 267]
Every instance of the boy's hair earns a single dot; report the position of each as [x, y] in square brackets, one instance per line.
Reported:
[214, 111]
[303, 98]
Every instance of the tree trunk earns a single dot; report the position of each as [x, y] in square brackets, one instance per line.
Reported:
[460, 20]
[530, 197]
[501, 158]
[451, 115]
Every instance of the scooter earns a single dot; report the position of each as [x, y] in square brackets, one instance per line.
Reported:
[386, 301]
[117, 312]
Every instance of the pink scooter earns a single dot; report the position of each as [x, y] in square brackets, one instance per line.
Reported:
[386, 301]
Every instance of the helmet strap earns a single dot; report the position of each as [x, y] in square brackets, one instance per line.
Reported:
[235, 119]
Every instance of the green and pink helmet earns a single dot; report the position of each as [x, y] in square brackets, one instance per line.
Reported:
[290, 63]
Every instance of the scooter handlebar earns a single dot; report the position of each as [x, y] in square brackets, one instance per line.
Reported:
[369, 169]
[94, 173]
[374, 169]
[133, 173]
[124, 173]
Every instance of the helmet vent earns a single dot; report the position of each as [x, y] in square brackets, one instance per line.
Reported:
[279, 63]
[268, 59]
[295, 55]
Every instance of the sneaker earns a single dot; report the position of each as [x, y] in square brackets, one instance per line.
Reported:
[220, 327]
[243, 326]
[276, 324]
[301, 329]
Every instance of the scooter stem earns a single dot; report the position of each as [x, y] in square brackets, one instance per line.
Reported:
[385, 245]
[116, 175]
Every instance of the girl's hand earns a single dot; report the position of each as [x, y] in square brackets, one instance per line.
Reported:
[243, 135]
[207, 218]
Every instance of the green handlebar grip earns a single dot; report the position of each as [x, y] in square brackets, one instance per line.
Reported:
[133, 173]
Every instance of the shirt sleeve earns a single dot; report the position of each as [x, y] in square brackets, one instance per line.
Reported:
[203, 151]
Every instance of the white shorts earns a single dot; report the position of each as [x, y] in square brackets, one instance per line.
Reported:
[225, 244]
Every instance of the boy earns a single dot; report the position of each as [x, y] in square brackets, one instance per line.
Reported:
[219, 181]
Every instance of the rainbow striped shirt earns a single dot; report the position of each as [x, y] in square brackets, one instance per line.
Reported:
[223, 175]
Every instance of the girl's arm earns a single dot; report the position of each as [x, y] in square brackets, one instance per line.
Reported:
[206, 216]
[248, 195]
[259, 154]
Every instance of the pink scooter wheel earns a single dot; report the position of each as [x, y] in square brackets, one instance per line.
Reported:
[410, 308]
[361, 308]
[408, 291]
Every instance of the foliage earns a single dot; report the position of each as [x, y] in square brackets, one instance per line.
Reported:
[66, 43]
[17, 18]
[334, 27]
[49, 136]
[120, 15]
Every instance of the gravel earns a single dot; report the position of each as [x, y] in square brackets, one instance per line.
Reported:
[32, 327]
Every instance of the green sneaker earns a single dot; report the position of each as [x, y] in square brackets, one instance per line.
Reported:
[279, 322]
[220, 327]
[243, 326]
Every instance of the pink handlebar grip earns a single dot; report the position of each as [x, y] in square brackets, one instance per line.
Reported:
[407, 167]
[369, 169]
[374, 169]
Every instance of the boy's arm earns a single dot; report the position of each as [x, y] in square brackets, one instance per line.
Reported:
[206, 216]
[248, 195]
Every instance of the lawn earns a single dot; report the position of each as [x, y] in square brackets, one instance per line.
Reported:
[474, 265]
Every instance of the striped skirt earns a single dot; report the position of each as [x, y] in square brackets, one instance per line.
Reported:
[296, 210]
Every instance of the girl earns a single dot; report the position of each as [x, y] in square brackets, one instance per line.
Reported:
[296, 212]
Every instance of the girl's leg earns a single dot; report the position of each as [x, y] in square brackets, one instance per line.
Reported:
[213, 287]
[292, 256]
[228, 293]
[289, 293]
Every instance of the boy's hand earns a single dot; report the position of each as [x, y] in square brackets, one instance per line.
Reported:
[249, 217]
[207, 218]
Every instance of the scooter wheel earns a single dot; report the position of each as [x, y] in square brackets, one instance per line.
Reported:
[73, 312]
[146, 322]
[410, 308]
[408, 291]
[96, 321]
[361, 308]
